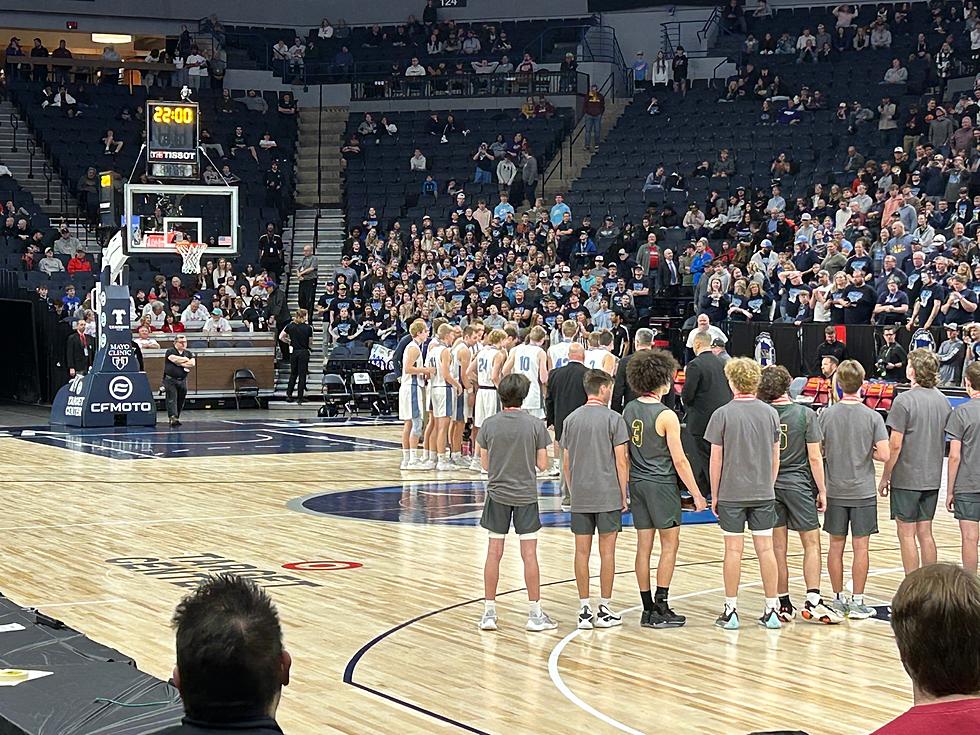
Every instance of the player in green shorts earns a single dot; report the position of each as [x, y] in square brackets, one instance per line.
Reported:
[963, 469]
[513, 445]
[744, 438]
[656, 460]
[853, 437]
[596, 468]
[800, 471]
[914, 470]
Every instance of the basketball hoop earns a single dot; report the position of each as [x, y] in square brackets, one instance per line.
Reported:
[191, 253]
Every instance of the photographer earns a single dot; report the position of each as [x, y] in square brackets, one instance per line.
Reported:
[484, 165]
[891, 358]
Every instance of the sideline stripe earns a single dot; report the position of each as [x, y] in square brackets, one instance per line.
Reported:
[555, 673]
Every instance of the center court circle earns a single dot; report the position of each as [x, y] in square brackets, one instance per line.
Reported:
[449, 503]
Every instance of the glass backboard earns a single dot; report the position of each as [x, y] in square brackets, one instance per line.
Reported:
[156, 217]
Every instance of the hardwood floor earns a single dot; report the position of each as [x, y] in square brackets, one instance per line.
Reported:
[68, 512]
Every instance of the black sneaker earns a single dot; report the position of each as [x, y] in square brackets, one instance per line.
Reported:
[786, 613]
[669, 618]
[645, 619]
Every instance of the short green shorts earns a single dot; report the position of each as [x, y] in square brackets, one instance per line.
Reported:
[797, 510]
[862, 520]
[733, 518]
[654, 504]
[912, 506]
[497, 517]
[586, 524]
[966, 506]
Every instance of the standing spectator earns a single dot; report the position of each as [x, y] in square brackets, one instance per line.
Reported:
[271, 252]
[273, 188]
[678, 68]
[641, 70]
[566, 392]
[483, 174]
[594, 107]
[506, 173]
[39, 52]
[297, 334]
[307, 272]
[197, 68]
[80, 350]
[568, 69]
[231, 664]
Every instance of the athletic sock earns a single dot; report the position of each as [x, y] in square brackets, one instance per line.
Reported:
[772, 603]
[534, 608]
[413, 455]
[813, 597]
[443, 457]
[784, 601]
[647, 600]
[406, 455]
[490, 605]
[661, 594]
[858, 599]
[731, 604]
[841, 597]
[585, 602]
[604, 601]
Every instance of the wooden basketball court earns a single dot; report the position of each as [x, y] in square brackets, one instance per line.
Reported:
[100, 529]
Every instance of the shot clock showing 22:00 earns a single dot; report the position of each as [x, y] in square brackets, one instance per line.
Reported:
[172, 130]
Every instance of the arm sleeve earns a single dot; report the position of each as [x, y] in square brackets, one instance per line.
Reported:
[898, 417]
[954, 425]
[620, 434]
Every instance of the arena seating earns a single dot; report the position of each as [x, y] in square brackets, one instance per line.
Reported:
[546, 40]
[381, 178]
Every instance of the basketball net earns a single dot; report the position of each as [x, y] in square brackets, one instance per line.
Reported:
[191, 253]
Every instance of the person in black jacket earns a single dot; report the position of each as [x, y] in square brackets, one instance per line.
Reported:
[705, 390]
[297, 334]
[622, 392]
[231, 662]
[892, 358]
[566, 392]
[80, 350]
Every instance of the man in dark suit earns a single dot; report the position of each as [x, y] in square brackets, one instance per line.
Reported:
[80, 350]
[705, 390]
[566, 392]
[622, 393]
[669, 273]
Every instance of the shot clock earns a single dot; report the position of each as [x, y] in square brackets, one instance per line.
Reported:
[172, 140]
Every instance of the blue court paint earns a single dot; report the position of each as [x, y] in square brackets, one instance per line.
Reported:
[207, 439]
[451, 503]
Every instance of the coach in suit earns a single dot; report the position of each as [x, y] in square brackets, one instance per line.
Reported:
[566, 392]
[705, 390]
[79, 351]
[622, 393]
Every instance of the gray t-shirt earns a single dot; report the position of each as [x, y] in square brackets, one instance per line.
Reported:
[308, 261]
[512, 439]
[850, 432]
[920, 415]
[798, 426]
[964, 424]
[746, 429]
[591, 434]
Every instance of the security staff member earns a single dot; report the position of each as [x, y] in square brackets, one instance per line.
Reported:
[178, 362]
[297, 334]
[80, 352]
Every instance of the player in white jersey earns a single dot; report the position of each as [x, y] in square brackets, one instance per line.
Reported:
[444, 389]
[485, 373]
[429, 455]
[411, 395]
[610, 363]
[462, 355]
[594, 354]
[558, 352]
[531, 361]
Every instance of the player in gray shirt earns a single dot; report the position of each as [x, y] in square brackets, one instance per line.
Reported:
[513, 445]
[800, 493]
[596, 468]
[963, 472]
[914, 470]
[744, 438]
[853, 436]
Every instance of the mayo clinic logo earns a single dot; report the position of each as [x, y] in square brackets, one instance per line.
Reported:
[120, 388]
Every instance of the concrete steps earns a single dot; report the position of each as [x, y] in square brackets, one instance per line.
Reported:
[19, 163]
[326, 125]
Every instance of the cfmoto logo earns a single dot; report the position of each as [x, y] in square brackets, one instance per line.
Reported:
[120, 388]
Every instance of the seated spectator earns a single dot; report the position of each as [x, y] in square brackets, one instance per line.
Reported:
[145, 341]
[806, 47]
[50, 264]
[287, 105]
[239, 141]
[881, 37]
[194, 316]
[231, 662]
[67, 243]
[861, 41]
[217, 324]
[930, 614]
[417, 161]
[79, 263]
[254, 102]
[896, 73]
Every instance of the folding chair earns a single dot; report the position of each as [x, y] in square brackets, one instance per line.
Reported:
[363, 392]
[336, 397]
[246, 385]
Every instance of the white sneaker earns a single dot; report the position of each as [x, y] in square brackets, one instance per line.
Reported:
[475, 465]
[427, 464]
[489, 620]
[416, 465]
[606, 618]
[585, 618]
[461, 463]
[540, 622]
[405, 464]
[445, 466]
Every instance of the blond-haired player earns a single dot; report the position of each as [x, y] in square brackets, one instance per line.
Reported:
[462, 352]
[485, 372]
[411, 395]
